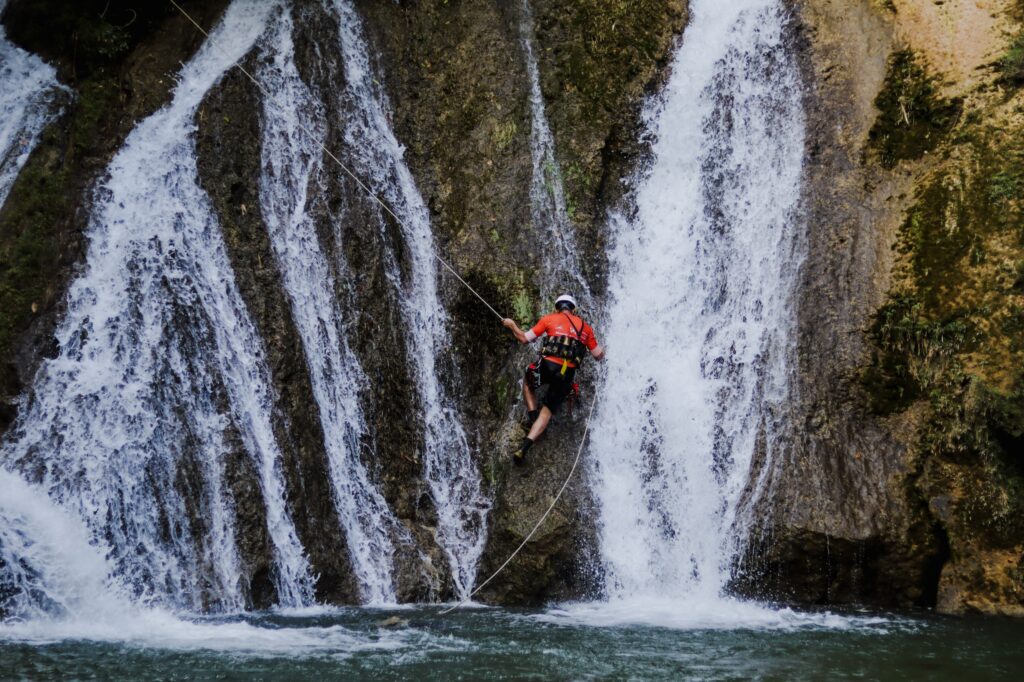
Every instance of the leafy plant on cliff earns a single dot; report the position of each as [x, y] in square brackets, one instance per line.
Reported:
[913, 117]
[952, 341]
[1011, 66]
[916, 353]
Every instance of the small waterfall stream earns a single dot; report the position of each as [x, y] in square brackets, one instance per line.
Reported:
[701, 322]
[548, 211]
[28, 103]
[291, 180]
[448, 466]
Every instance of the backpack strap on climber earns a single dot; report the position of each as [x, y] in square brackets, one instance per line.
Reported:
[565, 347]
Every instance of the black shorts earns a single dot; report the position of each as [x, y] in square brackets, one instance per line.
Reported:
[548, 373]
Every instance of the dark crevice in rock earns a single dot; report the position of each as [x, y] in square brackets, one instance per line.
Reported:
[932, 570]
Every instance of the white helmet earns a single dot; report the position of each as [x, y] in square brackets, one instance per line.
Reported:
[565, 298]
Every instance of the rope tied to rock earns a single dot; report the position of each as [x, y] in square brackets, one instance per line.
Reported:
[529, 536]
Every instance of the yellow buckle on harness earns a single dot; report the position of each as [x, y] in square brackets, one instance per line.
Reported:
[565, 366]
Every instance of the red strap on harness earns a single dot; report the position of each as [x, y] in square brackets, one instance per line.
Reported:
[574, 395]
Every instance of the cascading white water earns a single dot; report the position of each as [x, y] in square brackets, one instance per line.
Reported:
[448, 466]
[28, 102]
[47, 566]
[158, 363]
[701, 321]
[548, 209]
[55, 585]
[292, 168]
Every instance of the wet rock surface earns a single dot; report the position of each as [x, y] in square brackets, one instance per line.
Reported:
[870, 502]
[229, 168]
[456, 76]
[902, 482]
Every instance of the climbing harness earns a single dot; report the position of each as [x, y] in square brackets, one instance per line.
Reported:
[529, 536]
[564, 347]
[450, 269]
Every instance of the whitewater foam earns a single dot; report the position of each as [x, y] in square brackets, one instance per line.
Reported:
[721, 614]
[29, 100]
[700, 325]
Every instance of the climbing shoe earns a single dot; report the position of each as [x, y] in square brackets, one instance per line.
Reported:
[520, 457]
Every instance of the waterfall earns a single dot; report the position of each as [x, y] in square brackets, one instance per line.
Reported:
[548, 209]
[47, 565]
[293, 130]
[160, 368]
[701, 321]
[448, 466]
[28, 102]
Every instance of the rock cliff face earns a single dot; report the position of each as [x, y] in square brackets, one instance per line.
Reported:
[903, 482]
[456, 74]
[456, 79]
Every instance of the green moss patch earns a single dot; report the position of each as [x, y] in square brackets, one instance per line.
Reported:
[913, 118]
[36, 220]
[28, 252]
[1011, 65]
[950, 338]
[915, 354]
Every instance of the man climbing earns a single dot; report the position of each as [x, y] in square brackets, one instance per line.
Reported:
[567, 338]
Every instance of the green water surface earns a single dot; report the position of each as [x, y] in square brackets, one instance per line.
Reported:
[491, 644]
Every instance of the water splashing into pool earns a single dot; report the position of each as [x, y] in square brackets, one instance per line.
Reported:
[700, 324]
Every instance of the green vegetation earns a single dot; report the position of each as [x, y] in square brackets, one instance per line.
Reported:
[950, 339]
[1005, 185]
[27, 250]
[916, 354]
[913, 118]
[504, 134]
[522, 306]
[1011, 66]
[102, 38]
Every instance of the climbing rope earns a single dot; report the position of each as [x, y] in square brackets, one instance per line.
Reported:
[529, 536]
[450, 269]
[343, 167]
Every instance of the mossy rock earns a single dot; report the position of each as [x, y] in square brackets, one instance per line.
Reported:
[913, 118]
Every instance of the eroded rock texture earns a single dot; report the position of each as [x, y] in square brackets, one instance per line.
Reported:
[902, 482]
[902, 485]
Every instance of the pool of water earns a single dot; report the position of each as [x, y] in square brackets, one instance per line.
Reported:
[585, 641]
